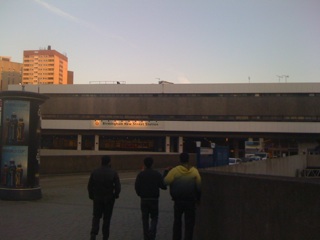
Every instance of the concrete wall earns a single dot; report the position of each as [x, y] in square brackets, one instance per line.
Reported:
[242, 206]
[287, 166]
[67, 162]
[313, 161]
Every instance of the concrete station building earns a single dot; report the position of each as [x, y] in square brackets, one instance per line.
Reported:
[282, 119]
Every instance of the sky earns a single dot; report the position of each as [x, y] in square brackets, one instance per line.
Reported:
[179, 41]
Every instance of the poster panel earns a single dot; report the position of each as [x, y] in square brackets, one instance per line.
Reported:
[16, 122]
[14, 165]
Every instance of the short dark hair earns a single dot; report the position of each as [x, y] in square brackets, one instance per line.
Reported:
[105, 160]
[184, 157]
[148, 161]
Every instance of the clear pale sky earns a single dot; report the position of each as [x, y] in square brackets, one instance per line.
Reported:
[180, 41]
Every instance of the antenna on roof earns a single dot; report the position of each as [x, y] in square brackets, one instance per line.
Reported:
[279, 77]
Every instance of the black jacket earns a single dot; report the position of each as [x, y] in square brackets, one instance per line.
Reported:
[104, 182]
[148, 183]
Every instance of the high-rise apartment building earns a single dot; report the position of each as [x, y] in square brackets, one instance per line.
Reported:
[45, 67]
[10, 72]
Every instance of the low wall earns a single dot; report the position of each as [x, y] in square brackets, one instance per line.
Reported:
[67, 162]
[242, 206]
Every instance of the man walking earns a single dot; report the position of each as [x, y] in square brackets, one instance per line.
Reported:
[147, 185]
[103, 188]
[185, 183]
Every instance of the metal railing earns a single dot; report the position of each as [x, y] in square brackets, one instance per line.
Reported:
[310, 173]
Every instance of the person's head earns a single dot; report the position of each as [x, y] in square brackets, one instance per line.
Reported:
[105, 160]
[148, 161]
[184, 157]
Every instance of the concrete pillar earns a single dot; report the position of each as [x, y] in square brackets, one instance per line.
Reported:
[167, 147]
[79, 142]
[180, 144]
[261, 143]
[96, 142]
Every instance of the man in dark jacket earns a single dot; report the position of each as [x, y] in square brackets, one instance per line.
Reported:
[147, 185]
[103, 188]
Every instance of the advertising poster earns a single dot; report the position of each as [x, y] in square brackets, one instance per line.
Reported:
[14, 166]
[15, 122]
[15, 137]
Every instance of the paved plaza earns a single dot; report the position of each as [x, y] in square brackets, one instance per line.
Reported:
[64, 212]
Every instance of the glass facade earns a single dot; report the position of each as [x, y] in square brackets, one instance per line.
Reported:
[275, 147]
[131, 143]
[106, 143]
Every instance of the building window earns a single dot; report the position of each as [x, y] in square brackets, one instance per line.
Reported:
[59, 142]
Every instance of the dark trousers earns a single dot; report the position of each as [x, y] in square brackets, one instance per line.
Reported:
[188, 209]
[102, 207]
[150, 211]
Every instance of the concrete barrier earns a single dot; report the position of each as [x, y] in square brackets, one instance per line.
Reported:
[246, 206]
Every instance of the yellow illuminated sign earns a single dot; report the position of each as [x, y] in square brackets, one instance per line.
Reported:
[125, 124]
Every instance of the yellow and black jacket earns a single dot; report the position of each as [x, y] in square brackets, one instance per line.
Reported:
[185, 183]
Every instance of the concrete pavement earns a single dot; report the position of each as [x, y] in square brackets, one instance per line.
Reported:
[64, 212]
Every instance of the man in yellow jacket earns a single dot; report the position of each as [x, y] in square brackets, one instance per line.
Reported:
[185, 190]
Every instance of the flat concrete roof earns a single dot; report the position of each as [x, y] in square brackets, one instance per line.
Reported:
[299, 87]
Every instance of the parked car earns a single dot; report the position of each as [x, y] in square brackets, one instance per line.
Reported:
[233, 161]
[262, 155]
[254, 158]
